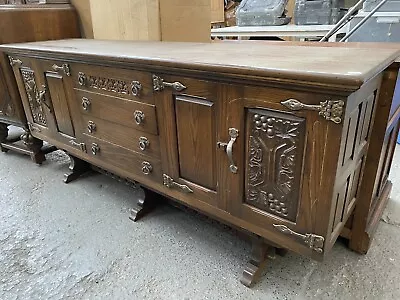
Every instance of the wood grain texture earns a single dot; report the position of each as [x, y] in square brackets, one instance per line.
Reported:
[126, 19]
[192, 116]
[338, 68]
[217, 11]
[185, 20]
[85, 17]
[196, 140]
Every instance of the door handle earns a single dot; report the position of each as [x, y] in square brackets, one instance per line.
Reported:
[228, 147]
[63, 67]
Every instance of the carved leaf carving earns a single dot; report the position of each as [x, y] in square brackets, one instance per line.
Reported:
[275, 147]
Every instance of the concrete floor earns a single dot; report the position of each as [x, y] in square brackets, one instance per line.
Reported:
[75, 241]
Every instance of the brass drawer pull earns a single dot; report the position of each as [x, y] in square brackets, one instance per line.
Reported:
[91, 127]
[63, 67]
[14, 61]
[159, 84]
[86, 103]
[82, 146]
[95, 149]
[81, 79]
[136, 87]
[228, 147]
[139, 117]
[143, 143]
[170, 183]
[147, 168]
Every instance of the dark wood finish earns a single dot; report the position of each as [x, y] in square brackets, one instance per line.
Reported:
[26, 21]
[144, 204]
[279, 151]
[77, 167]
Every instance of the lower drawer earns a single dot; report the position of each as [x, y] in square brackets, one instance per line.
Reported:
[122, 159]
[138, 141]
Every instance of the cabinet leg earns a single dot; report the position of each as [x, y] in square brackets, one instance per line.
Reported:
[144, 204]
[257, 263]
[3, 135]
[77, 167]
[35, 146]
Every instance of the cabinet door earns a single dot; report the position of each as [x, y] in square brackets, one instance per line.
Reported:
[187, 111]
[284, 178]
[38, 109]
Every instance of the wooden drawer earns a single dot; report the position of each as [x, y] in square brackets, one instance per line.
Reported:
[138, 141]
[133, 114]
[120, 158]
[123, 83]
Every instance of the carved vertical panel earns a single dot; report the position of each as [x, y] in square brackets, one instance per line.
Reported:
[32, 93]
[274, 162]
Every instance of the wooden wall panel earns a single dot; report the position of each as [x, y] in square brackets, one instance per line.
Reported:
[85, 17]
[217, 11]
[185, 20]
[125, 19]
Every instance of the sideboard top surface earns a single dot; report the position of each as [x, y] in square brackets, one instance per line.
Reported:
[347, 68]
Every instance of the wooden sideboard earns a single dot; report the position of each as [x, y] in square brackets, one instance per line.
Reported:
[274, 141]
[26, 23]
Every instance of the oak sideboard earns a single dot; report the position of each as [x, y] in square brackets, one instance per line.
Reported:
[27, 23]
[274, 140]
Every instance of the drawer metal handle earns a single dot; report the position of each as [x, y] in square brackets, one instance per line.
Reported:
[86, 103]
[14, 61]
[159, 84]
[95, 149]
[331, 110]
[228, 147]
[136, 87]
[82, 146]
[169, 182]
[81, 78]
[63, 67]
[91, 127]
[139, 117]
[147, 168]
[143, 143]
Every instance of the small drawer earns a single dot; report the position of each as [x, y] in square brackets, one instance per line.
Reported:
[122, 159]
[134, 140]
[136, 115]
[134, 85]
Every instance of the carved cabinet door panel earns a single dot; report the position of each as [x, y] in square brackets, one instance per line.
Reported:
[277, 169]
[187, 111]
[32, 87]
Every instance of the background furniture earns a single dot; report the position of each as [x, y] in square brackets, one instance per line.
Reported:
[279, 151]
[25, 23]
[299, 31]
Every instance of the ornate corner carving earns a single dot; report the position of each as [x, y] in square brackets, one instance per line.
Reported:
[14, 61]
[313, 241]
[331, 110]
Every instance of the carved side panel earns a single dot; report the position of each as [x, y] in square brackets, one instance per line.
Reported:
[274, 162]
[32, 93]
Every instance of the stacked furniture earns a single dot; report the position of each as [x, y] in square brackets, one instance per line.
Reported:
[25, 23]
[280, 147]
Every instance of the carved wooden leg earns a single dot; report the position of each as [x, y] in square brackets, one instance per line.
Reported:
[257, 262]
[34, 145]
[3, 135]
[77, 167]
[144, 204]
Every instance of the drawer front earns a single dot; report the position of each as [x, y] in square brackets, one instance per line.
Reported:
[138, 141]
[122, 159]
[136, 115]
[123, 83]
